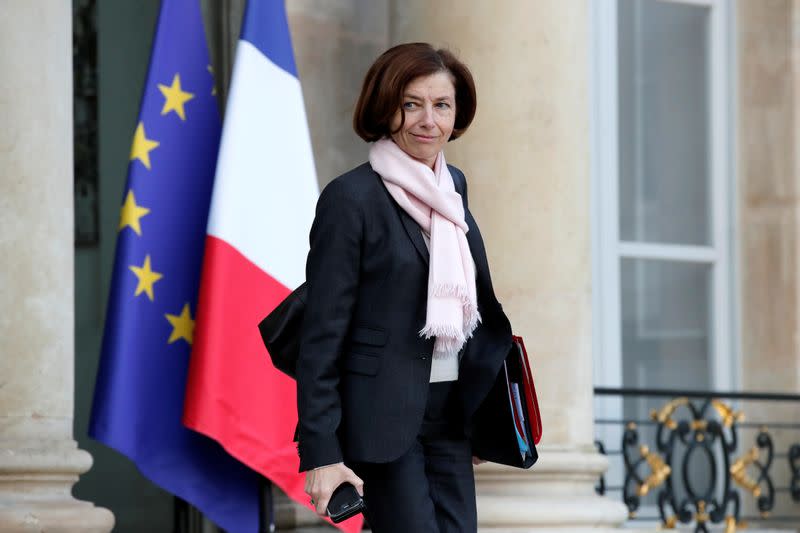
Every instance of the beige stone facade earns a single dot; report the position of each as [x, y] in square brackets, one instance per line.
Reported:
[768, 161]
[527, 159]
[769, 191]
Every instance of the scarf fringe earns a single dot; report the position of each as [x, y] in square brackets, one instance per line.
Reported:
[440, 331]
[449, 338]
[472, 319]
[446, 348]
[471, 315]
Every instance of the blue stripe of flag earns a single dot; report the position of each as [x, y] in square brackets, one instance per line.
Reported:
[265, 27]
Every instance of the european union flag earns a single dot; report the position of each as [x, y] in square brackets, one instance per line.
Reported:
[138, 402]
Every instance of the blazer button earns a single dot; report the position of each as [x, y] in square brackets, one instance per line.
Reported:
[423, 357]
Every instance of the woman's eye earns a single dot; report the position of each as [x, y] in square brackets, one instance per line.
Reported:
[409, 105]
[443, 105]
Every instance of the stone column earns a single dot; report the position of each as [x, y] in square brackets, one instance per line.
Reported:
[39, 460]
[526, 158]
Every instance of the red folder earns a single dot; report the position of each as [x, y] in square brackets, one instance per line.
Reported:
[529, 392]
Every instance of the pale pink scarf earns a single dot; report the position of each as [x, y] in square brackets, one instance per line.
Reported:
[430, 198]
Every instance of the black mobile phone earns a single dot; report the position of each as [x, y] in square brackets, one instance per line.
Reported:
[345, 502]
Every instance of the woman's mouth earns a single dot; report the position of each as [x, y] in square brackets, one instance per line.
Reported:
[424, 138]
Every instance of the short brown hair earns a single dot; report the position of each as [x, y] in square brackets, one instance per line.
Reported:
[382, 92]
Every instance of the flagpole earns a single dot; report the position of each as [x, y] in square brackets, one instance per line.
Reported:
[266, 508]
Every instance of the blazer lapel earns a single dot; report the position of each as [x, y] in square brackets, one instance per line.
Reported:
[477, 250]
[415, 234]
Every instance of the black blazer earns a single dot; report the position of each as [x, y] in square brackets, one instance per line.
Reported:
[363, 370]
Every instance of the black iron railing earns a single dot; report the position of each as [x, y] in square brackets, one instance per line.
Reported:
[689, 462]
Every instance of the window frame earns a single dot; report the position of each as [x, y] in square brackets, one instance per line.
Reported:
[607, 248]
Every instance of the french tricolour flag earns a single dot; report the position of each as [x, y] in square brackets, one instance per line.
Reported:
[262, 207]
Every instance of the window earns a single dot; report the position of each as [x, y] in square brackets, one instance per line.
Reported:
[661, 194]
[661, 199]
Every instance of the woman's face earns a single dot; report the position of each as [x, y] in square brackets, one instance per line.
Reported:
[429, 103]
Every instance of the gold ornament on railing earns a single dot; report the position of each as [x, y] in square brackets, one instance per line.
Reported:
[739, 472]
[702, 516]
[727, 414]
[664, 415]
[660, 471]
[731, 525]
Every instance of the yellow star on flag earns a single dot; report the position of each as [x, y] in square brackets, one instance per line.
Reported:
[142, 146]
[182, 326]
[131, 214]
[175, 97]
[146, 278]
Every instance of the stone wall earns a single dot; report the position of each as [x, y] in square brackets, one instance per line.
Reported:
[768, 164]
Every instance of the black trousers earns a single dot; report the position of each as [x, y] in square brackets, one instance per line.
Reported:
[431, 488]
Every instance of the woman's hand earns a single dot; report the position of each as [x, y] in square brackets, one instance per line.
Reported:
[321, 482]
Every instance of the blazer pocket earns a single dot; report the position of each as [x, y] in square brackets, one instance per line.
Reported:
[367, 335]
[367, 365]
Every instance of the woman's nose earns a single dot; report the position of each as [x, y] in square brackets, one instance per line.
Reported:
[427, 118]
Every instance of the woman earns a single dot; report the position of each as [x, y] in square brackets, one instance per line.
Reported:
[402, 336]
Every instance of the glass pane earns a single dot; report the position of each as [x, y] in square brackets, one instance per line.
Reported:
[663, 122]
[666, 343]
[666, 321]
